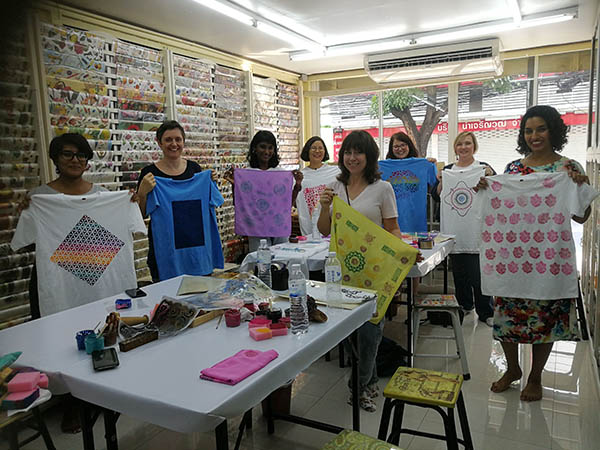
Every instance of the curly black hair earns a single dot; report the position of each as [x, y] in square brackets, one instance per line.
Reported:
[556, 126]
[260, 137]
[403, 137]
[363, 142]
[305, 154]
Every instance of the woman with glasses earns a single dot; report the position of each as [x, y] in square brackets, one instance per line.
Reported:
[70, 154]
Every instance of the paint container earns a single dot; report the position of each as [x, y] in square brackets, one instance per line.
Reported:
[93, 343]
[80, 338]
[426, 243]
[250, 306]
[123, 303]
[274, 315]
[233, 318]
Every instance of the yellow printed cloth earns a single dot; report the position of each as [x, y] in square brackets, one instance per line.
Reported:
[371, 257]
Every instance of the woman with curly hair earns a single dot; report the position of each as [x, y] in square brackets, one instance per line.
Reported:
[540, 322]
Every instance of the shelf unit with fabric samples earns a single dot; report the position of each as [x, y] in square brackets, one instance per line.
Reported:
[264, 96]
[141, 103]
[81, 94]
[233, 135]
[19, 170]
[288, 120]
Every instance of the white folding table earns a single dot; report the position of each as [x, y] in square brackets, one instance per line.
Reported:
[159, 382]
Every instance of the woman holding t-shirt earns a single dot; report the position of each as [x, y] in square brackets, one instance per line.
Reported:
[542, 136]
[263, 155]
[465, 266]
[170, 137]
[359, 184]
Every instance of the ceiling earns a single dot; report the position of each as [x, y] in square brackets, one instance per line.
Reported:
[335, 22]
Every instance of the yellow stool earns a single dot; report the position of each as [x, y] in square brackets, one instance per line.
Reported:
[353, 440]
[427, 389]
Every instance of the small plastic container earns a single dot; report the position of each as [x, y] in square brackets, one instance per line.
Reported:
[259, 322]
[93, 343]
[80, 338]
[233, 318]
[260, 334]
[274, 315]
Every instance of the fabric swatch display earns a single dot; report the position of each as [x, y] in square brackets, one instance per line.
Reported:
[84, 246]
[307, 202]
[410, 178]
[460, 208]
[263, 202]
[527, 248]
[371, 257]
[184, 225]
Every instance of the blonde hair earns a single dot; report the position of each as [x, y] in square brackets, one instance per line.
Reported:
[463, 134]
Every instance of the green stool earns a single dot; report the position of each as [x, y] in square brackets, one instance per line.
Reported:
[426, 389]
[353, 440]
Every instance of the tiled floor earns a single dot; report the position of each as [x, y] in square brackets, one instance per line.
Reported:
[567, 418]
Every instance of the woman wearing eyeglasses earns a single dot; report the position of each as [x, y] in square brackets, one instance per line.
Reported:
[70, 154]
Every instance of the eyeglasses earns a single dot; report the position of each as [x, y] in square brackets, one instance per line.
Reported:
[68, 156]
[399, 146]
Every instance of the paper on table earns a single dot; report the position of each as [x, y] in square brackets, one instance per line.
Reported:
[197, 285]
[443, 238]
[352, 297]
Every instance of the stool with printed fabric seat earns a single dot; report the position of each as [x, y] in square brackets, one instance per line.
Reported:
[350, 440]
[425, 389]
[441, 303]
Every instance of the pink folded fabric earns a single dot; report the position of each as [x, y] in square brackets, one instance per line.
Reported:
[239, 366]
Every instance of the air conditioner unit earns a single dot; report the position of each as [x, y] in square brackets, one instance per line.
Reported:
[466, 60]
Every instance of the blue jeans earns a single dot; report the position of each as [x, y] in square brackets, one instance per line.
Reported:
[369, 338]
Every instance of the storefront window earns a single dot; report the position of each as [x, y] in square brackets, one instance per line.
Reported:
[343, 114]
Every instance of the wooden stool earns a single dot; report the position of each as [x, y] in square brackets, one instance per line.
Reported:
[445, 303]
[351, 440]
[426, 389]
[11, 425]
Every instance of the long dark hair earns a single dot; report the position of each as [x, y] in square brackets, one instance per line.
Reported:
[556, 126]
[260, 137]
[362, 142]
[403, 137]
[305, 154]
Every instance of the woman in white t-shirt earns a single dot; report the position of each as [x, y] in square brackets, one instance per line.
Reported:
[317, 175]
[360, 185]
[465, 266]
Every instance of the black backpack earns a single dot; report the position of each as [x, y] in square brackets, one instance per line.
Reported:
[390, 356]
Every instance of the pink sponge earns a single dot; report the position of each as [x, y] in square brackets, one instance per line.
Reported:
[24, 381]
[43, 381]
[20, 400]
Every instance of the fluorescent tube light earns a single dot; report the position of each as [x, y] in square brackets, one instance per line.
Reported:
[441, 36]
[228, 11]
[288, 36]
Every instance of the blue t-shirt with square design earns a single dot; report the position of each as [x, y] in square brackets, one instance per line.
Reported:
[410, 178]
[184, 225]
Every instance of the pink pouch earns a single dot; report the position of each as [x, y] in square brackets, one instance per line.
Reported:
[239, 366]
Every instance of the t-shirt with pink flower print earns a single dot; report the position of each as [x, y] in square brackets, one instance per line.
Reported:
[527, 249]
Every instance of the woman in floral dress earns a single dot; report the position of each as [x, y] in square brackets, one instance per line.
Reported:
[526, 321]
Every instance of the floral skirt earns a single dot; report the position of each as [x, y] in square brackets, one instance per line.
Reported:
[527, 321]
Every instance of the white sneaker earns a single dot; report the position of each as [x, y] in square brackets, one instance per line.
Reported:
[489, 322]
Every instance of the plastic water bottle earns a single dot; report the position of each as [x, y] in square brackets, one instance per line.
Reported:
[298, 307]
[333, 278]
[316, 234]
[264, 262]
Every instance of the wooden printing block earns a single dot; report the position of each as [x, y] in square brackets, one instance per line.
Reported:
[138, 340]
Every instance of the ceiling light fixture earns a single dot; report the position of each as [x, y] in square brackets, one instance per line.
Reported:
[250, 18]
[229, 11]
[440, 36]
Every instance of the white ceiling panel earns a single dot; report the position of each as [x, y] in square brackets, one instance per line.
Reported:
[336, 22]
